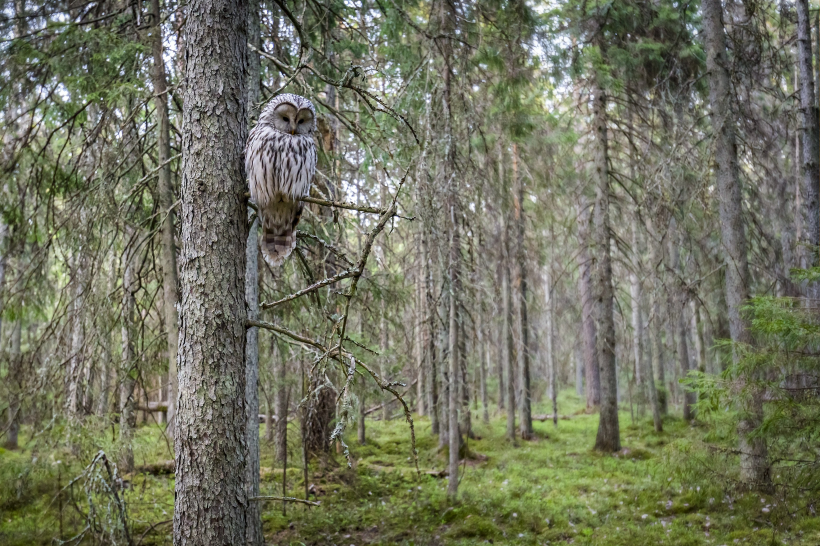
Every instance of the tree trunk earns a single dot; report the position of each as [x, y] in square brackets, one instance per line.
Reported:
[507, 343]
[520, 289]
[362, 437]
[211, 433]
[579, 371]
[589, 332]
[280, 400]
[483, 363]
[433, 402]
[550, 335]
[643, 366]
[128, 374]
[658, 353]
[253, 534]
[608, 438]
[165, 191]
[811, 142]
[454, 402]
[419, 342]
[754, 459]
[679, 311]
[15, 386]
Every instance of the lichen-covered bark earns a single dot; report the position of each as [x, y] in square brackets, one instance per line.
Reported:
[210, 442]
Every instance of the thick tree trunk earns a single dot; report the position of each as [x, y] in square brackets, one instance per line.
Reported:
[810, 171]
[589, 334]
[608, 438]
[211, 434]
[754, 458]
[165, 191]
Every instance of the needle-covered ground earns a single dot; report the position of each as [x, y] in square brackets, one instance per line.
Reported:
[552, 490]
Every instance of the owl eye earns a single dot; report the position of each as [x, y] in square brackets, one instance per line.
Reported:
[286, 119]
[301, 120]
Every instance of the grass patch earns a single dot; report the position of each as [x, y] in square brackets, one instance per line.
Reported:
[552, 490]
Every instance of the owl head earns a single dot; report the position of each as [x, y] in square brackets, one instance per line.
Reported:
[290, 114]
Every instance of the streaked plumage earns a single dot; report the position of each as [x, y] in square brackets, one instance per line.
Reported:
[280, 161]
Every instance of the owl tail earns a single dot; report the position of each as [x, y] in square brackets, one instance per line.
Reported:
[279, 240]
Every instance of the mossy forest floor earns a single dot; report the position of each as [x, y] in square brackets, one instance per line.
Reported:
[552, 490]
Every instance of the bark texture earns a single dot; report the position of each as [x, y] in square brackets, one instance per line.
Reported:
[520, 290]
[810, 171]
[608, 437]
[253, 534]
[211, 436]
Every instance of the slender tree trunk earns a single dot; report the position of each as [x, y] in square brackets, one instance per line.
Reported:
[520, 290]
[608, 438]
[589, 332]
[419, 342]
[507, 341]
[253, 535]
[280, 370]
[361, 433]
[15, 386]
[483, 363]
[165, 191]
[643, 366]
[128, 365]
[754, 457]
[211, 453]
[550, 335]
[679, 312]
[433, 405]
[658, 354]
[579, 371]
[811, 142]
[454, 402]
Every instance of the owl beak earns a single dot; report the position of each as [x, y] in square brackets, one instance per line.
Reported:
[293, 127]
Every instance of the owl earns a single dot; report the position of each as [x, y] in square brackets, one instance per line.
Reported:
[280, 161]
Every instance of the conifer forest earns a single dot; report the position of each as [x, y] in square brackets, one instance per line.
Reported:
[411, 272]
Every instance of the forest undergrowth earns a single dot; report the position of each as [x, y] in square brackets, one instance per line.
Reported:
[551, 490]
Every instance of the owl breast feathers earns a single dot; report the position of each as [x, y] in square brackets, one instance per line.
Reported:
[280, 161]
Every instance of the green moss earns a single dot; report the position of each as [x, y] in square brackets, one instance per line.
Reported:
[553, 489]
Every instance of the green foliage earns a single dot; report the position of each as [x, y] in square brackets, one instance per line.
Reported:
[780, 367]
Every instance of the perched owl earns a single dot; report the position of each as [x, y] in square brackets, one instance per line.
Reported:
[280, 161]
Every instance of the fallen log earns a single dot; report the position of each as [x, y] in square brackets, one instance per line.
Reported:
[548, 417]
